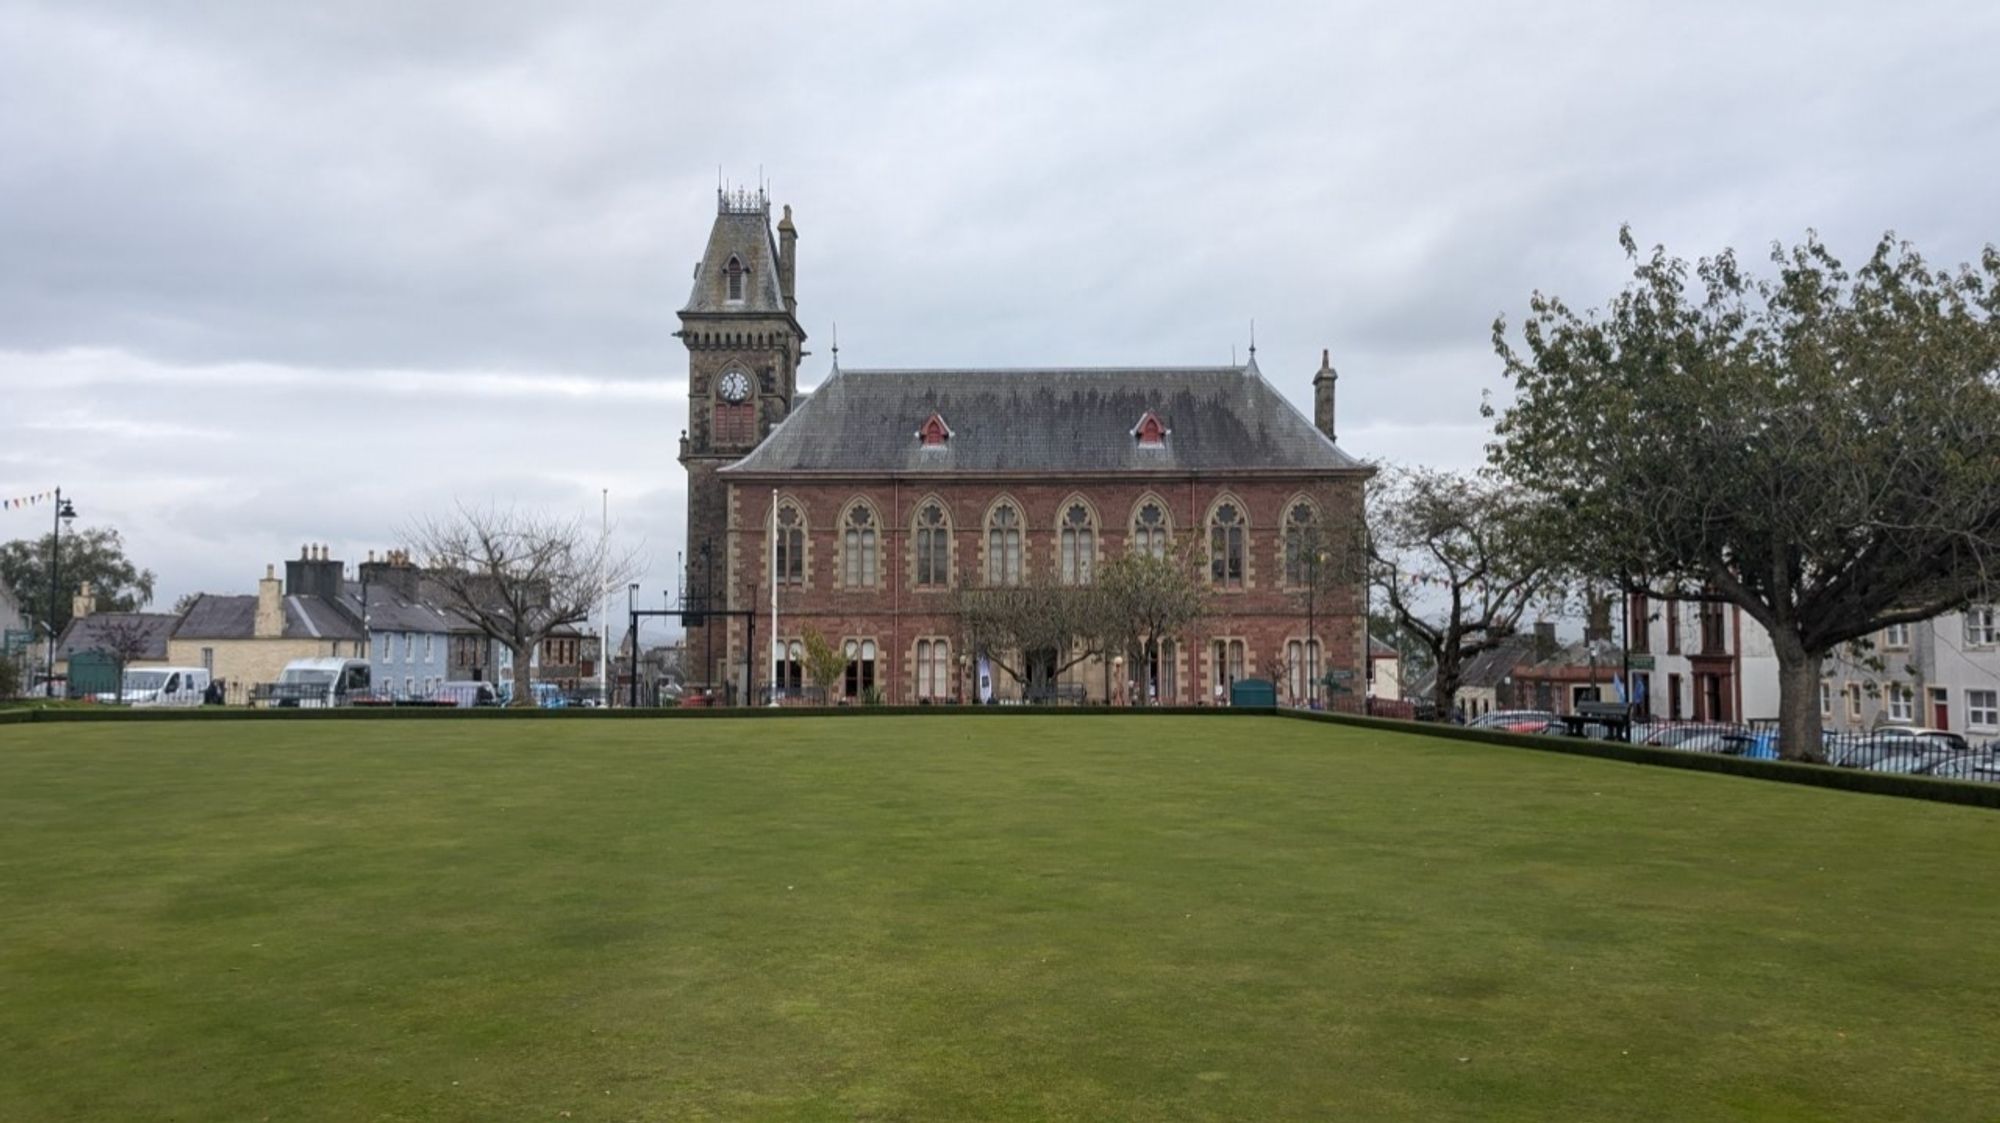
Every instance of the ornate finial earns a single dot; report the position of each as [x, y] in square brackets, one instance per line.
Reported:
[836, 345]
[1253, 338]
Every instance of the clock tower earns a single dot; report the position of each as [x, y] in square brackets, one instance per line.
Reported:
[744, 344]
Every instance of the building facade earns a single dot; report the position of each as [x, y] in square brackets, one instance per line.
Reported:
[869, 503]
[1942, 673]
[1701, 661]
[247, 640]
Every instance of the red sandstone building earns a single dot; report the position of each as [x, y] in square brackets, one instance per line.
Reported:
[890, 489]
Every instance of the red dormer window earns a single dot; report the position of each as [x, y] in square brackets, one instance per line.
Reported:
[1149, 431]
[935, 432]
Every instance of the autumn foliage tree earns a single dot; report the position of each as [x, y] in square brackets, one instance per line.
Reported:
[1818, 447]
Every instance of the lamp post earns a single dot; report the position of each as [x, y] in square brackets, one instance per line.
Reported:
[1118, 676]
[65, 512]
[632, 641]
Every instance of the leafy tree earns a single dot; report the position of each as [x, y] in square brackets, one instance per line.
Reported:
[825, 662]
[1459, 560]
[519, 576]
[1817, 447]
[1147, 600]
[186, 601]
[93, 554]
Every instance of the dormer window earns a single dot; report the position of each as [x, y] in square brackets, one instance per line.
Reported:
[1149, 432]
[935, 432]
[734, 272]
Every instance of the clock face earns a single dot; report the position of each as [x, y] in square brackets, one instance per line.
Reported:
[735, 386]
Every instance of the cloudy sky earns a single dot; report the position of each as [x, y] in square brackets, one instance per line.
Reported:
[277, 273]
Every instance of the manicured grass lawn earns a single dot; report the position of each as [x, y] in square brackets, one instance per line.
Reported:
[968, 918]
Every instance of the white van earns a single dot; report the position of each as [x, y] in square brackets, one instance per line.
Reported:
[161, 686]
[319, 683]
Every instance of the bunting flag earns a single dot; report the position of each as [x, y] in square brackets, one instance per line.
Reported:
[28, 500]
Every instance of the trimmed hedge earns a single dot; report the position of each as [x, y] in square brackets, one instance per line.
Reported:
[1783, 771]
[582, 713]
[1789, 772]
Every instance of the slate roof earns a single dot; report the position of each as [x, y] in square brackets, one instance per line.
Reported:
[88, 633]
[1484, 670]
[235, 617]
[1048, 419]
[390, 613]
[747, 234]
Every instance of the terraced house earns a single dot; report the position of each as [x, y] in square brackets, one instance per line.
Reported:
[886, 490]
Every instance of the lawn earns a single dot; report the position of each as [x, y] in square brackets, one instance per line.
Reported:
[991, 917]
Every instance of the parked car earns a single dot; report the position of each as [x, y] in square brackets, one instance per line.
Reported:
[318, 683]
[466, 694]
[1979, 766]
[1517, 721]
[160, 686]
[547, 695]
[1684, 735]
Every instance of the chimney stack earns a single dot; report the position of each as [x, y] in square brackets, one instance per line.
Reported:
[788, 248]
[1545, 640]
[1323, 384]
[270, 621]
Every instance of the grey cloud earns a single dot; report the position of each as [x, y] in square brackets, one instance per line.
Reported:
[385, 255]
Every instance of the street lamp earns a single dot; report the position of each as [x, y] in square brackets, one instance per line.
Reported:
[65, 512]
[632, 640]
[1118, 676]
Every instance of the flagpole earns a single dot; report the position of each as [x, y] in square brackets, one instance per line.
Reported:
[604, 607]
[777, 644]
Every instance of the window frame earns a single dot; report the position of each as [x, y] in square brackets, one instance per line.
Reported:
[1300, 542]
[1076, 542]
[1982, 717]
[860, 546]
[1155, 539]
[1228, 545]
[1005, 561]
[931, 543]
[790, 544]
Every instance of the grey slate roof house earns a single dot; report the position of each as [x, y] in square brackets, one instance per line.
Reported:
[106, 631]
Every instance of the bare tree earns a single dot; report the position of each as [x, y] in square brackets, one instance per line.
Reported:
[1458, 560]
[1147, 601]
[1034, 631]
[125, 639]
[518, 576]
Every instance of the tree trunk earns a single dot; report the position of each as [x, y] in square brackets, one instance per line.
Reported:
[1444, 691]
[1798, 700]
[524, 680]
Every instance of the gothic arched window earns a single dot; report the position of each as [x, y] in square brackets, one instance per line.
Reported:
[791, 545]
[1003, 545]
[1149, 529]
[1225, 545]
[1302, 545]
[734, 272]
[858, 547]
[933, 540]
[1077, 542]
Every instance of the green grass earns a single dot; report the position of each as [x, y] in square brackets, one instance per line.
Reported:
[968, 918]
